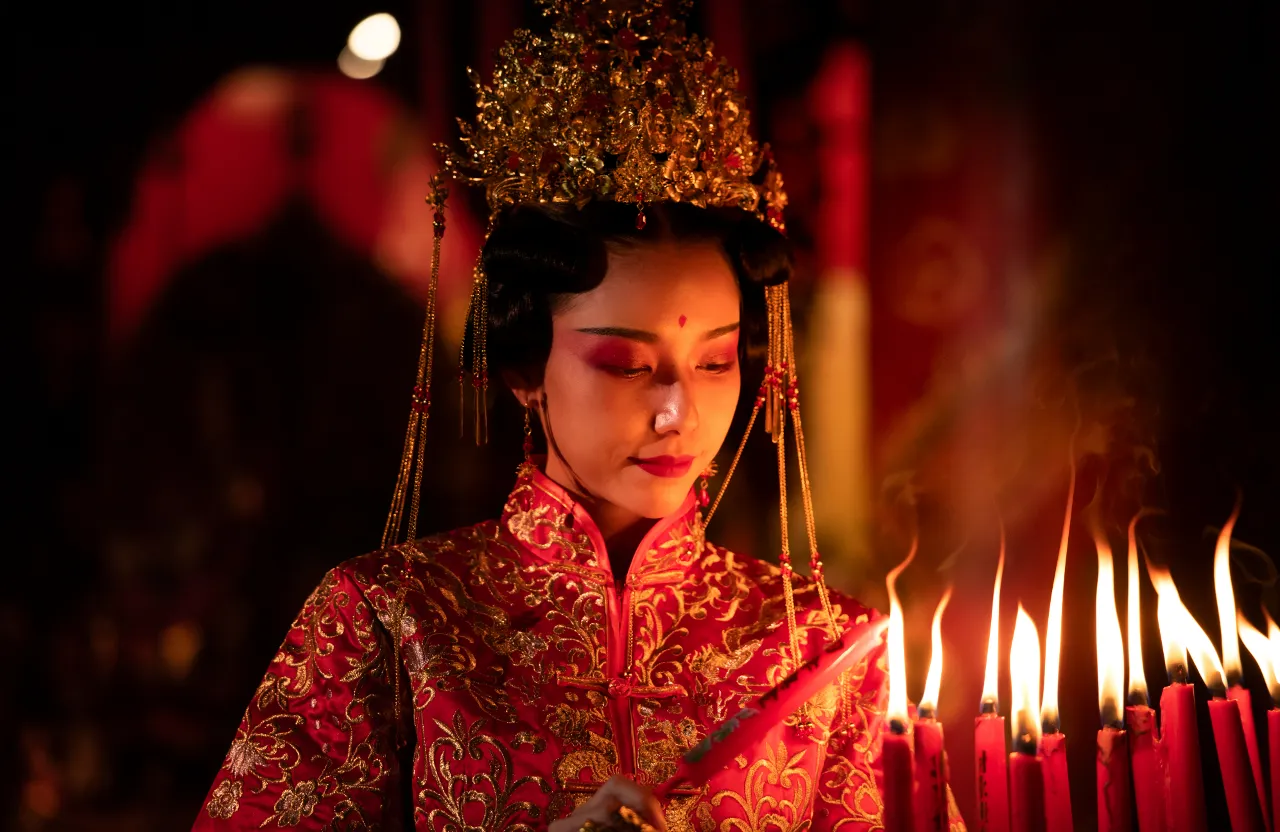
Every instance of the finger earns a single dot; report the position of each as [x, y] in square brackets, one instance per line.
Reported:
[639, 798]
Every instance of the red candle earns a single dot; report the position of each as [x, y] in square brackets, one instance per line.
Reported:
[1115, 810]
[1228, 736]
[931, 775]
[991, 768]
[898, 778]
[1273, 731]
[1239, 694]
[1057, 791]
[1026, 782]
[1180, 755]
[1148, 778]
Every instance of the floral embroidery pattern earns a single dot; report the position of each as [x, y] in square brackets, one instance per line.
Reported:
[526, 678]
[225, 800]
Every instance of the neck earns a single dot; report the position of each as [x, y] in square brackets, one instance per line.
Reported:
[622, 530]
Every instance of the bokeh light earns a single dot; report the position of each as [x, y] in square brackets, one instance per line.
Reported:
[375, 38]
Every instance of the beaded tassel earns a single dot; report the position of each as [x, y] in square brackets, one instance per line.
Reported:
[409, 478]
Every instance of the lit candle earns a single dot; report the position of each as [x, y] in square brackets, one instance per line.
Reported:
[1139, 718]
[896, 748]
[1260, 647]
[1273, 720]
[1242, 711]
[1115, 810]
[1053, 743]
[931, 759]
[1026, 781]
[990, 762]
[1179, 742]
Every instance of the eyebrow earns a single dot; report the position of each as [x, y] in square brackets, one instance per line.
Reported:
[647, 337]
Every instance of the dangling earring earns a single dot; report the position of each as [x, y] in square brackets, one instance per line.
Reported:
[528, 433]
[704, 500]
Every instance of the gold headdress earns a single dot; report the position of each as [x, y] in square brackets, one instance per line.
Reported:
[616, 103]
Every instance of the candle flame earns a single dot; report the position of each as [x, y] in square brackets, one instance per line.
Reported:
[1024, 672]
[1273, 635]
[1227, 600]
[1260, 647]
[1110, 643]
[933, 682]
[1053, 629]
[897, 643]
[1182, 635]
[1137, 677]
[990, 681]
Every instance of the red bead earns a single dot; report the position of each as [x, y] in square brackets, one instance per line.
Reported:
[640, 220]
[513, 161]
[733, 161]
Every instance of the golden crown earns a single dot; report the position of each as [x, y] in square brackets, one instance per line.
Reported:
[617, 103]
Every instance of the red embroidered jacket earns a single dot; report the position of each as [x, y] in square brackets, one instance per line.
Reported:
[525, 678]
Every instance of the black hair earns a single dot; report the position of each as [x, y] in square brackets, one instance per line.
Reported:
[538, 256]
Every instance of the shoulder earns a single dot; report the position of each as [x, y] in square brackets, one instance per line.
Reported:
[390, 572]
[767, 578]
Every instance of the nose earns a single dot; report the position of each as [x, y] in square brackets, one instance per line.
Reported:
[677, 410]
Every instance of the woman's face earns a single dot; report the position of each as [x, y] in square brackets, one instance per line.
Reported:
[643, 378]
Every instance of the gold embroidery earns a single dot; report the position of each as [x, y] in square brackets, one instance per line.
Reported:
[296, 803]
[777, 794]
[492, 788]
[225, 800]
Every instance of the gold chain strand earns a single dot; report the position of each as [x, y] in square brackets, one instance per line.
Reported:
[755, 411]
[787, 589]
[419, 409]
[462, 352]
[802, 460]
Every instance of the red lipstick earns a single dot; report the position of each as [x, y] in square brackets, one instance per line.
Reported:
[664, 466]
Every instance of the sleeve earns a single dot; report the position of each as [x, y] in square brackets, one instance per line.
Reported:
[848, 792]
[317, 745]
[847, 795]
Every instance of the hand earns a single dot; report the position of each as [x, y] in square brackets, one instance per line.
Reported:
[617, 792]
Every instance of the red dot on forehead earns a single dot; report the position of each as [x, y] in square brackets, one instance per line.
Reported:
[683, 319]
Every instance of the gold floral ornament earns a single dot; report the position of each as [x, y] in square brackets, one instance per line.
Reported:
[617, 103]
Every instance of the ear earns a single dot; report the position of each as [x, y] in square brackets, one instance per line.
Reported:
[528, 394]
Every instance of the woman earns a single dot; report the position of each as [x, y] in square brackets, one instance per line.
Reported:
[546, 669]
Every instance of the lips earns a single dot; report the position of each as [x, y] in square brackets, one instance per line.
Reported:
[664, 466]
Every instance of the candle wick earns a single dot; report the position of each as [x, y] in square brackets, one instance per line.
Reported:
[1178, 674]
[1050, 725]
[897, 726]
[989, 706]
[1025, 744]
[1137, 698]
[925, 711]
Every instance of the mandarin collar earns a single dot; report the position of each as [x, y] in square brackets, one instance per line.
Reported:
[555, 528]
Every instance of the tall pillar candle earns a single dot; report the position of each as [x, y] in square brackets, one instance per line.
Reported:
[1026, 787]
[1057, 789]
[1148, 778]
[899, 778]
[1115, 809]
[1180, 756]
[931, 775]
[1273, 733]
[991, 770]
[1240, 694]
[1228, 735]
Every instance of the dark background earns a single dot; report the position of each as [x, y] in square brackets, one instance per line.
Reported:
[142, 508]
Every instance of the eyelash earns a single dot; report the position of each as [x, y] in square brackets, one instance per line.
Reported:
[715, 368]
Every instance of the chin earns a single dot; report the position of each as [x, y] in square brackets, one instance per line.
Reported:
[657, 500]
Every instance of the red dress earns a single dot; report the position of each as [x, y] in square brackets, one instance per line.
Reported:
[525, 678]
